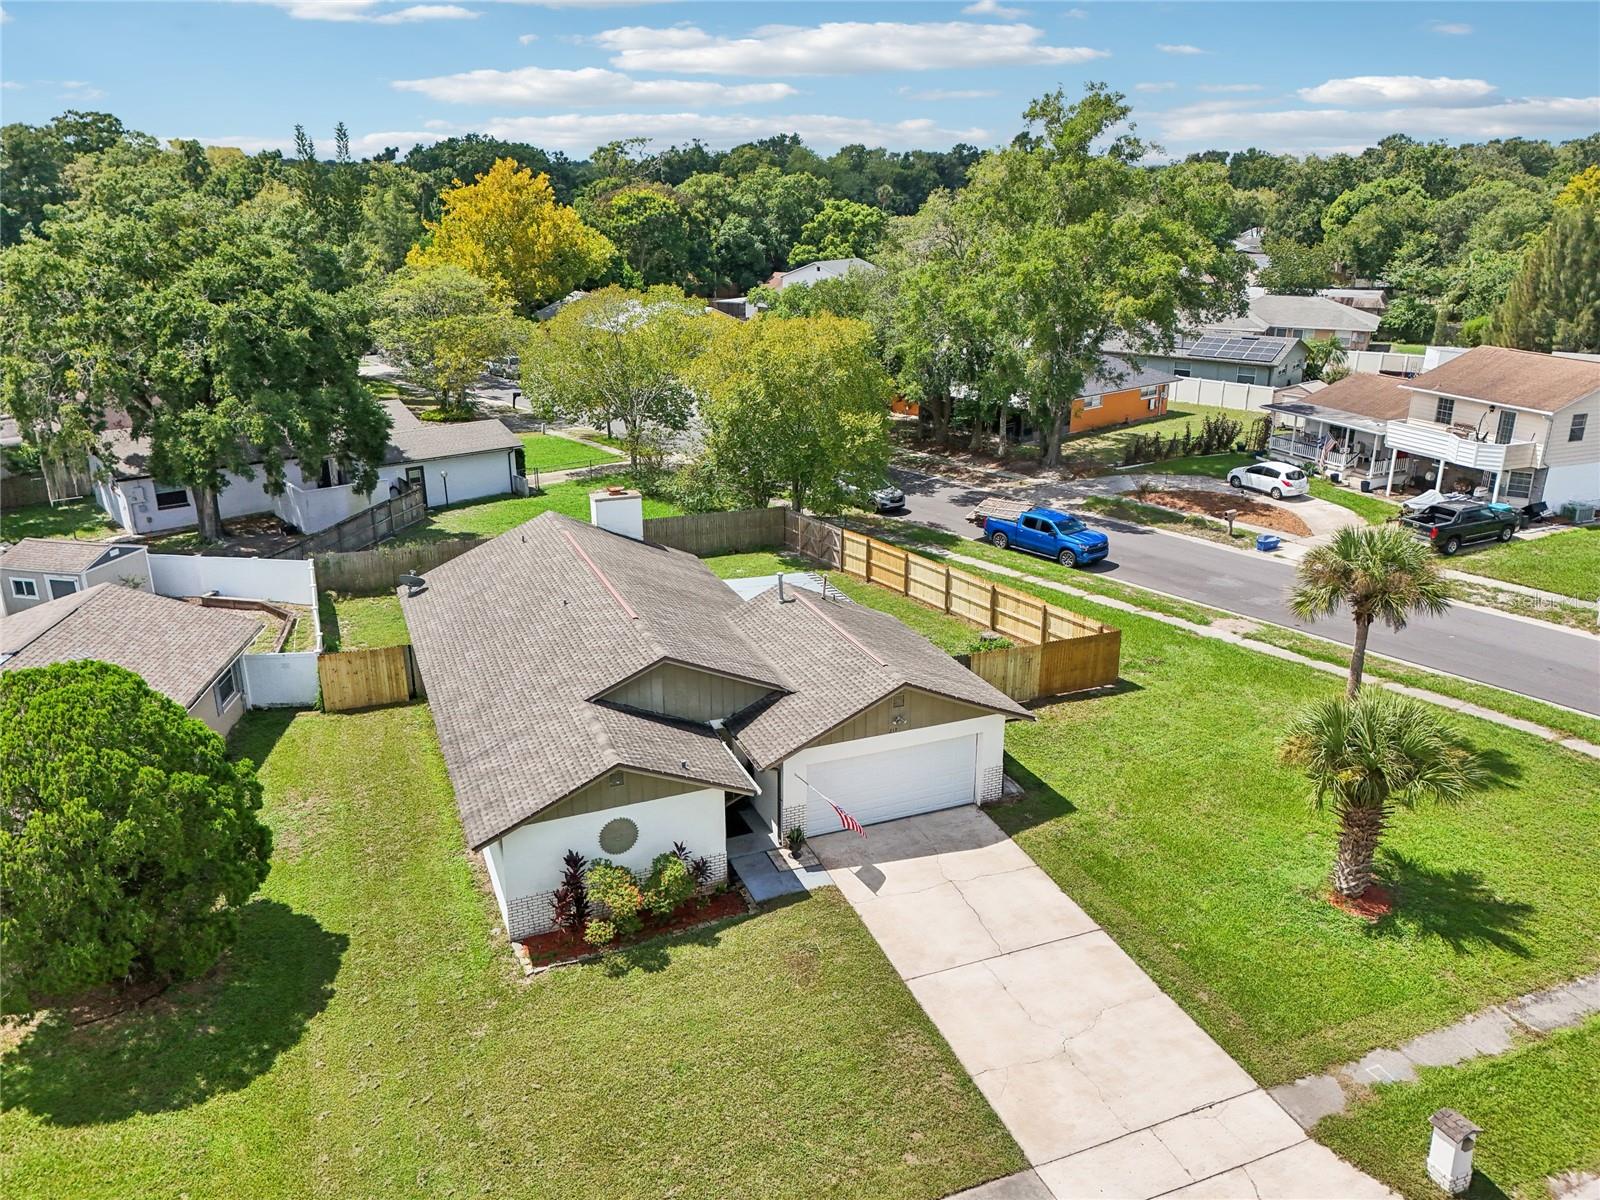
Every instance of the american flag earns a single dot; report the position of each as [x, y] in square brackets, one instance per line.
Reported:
[846, 819]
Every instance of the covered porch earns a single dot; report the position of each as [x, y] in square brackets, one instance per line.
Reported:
[1334, 442]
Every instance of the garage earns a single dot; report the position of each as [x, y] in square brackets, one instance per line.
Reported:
[892, 783]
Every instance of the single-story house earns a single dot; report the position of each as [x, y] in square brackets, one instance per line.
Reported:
[1339, 426]
[37, 570]
[1306, 317]
[450, 461]
[597, 693]
[186, 651]
[815, 272]
[1225, 354]
[1368, 300]
[1119, 392]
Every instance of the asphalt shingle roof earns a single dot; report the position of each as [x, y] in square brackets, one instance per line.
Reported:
[64, 555]
[1117, 374]
[1519, 378]
[1380, 397]
[1309, 313]
[178, 648]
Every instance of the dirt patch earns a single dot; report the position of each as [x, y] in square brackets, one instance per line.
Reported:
[1216, 504]
[1371, 905]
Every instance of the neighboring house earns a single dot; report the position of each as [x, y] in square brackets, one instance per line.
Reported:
[813, 272]
[1248, 244]
[185, 651]
[1367, 300]
[1306, 318]
[1120, 392]
[1227, 355]
[1340, 427]
[597, 693]
[452, 461]
[1520, 425]
[37, 570]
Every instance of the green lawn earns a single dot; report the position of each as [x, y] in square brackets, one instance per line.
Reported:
[949, 634]
[1107, 444]
[72, 519]
[1374, 510]
[1216, 466]
[547, 452]
[372, 1036]
[1567, 563]
[490, 517]
[362, 622]
[1539, 1107]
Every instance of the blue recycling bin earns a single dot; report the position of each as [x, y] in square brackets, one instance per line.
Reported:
[1268, 541]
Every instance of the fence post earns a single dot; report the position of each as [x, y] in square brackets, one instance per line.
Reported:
[947, 588]
[994, 606]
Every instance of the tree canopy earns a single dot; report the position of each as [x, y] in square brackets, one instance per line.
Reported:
[128, 838]
[439, 325]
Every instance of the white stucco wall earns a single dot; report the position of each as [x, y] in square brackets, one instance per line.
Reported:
[1577, 481]
[289, 580]
[991, 745]
[470, 477]
[528, 859]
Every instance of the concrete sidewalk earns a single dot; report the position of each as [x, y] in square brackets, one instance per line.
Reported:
[1108, 1086]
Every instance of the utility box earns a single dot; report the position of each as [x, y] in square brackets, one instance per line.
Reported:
[1450, 1153]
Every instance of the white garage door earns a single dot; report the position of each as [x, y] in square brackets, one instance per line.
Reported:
[893, 783]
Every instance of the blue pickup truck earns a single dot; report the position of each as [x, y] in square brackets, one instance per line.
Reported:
[1046, 531]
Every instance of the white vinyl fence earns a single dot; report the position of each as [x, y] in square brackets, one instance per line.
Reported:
[1246, 397]
[286, 580]
[1371, 362]
[270, 680]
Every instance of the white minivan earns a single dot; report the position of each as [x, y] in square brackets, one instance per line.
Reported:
[1277, 479]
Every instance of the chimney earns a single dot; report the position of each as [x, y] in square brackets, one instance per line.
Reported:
[619, 510]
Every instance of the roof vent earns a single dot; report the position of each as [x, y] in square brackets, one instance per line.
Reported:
[783, 598]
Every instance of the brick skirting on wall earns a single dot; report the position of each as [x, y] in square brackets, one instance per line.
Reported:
[531, 915]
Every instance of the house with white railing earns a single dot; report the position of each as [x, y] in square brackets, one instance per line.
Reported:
[450, 461]
[1340, 427]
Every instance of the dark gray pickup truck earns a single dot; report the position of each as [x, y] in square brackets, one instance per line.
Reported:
[1452, 524]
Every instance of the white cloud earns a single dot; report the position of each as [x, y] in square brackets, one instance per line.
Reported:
[585, 87]
[5, 17]
[1450, 28]
[579, 133]
[1228, 87]
[1076, 14]
[78, 91]
[992, 8]
[591, 3]
[1155, 85]
[1399, 89]
[527, 39]
[1332, 127]
[1179, 48]
[947, 93]
[11, 85]
[362, 146]
[371, 12]
[836, 48]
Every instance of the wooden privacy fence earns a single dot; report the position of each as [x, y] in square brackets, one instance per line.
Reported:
[377, 572]
[1059, 651]
[353, 679]
[368, 527]
[704, 534]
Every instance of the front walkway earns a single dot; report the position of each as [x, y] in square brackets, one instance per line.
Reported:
[1108, 1086]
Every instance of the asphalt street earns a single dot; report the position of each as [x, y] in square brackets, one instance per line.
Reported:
[1537, 659]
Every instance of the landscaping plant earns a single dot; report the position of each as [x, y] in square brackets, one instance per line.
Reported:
[570, 903]
[1365, 755]
[699, 868]
[616, 892]
[1381, 573]
[668, 885]
[128, 839]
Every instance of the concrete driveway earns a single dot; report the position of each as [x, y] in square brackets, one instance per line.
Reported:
[1107, 1085]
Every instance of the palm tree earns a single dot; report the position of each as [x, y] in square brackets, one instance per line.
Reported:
[1366, 756]
[1381, 573]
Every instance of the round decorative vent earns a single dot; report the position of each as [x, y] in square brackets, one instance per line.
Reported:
[618, 836]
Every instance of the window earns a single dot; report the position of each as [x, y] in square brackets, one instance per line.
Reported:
[1150, 392]
[1092, 401]
[1519, 484]
[1034, 523]
[62, 587]
[171, 497]
[26, 588]
[226, 687]
[1182, 372]
[1444, 410]
[1579, 422]
[1245, 375]
[1506, 427]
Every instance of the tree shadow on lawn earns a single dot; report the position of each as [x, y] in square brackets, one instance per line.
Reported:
[259, 731]
[1454, 905]
[191, 1042]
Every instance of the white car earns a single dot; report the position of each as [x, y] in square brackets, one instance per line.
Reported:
[1277, 479]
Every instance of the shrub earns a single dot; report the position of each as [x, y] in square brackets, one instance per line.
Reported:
[668, 886]
[571, 899]
[699, 868]
[128, 838]
[599, 933]
[616, 892]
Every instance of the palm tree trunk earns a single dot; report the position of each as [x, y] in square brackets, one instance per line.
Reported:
[1359, 831]
[1358, 657]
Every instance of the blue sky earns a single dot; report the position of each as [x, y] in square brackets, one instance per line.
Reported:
[570, 74]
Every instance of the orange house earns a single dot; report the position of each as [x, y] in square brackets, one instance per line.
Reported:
[1119, 394]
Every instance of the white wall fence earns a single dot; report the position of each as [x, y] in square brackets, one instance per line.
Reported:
[280, 680]
[286, 580]
[1372, 362]
[1246, 397]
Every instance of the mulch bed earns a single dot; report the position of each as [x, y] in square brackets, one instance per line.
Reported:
[559, 946]
[1371, 905]
[1215, 504]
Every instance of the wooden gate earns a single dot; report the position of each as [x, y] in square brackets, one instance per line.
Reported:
[355, 679]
